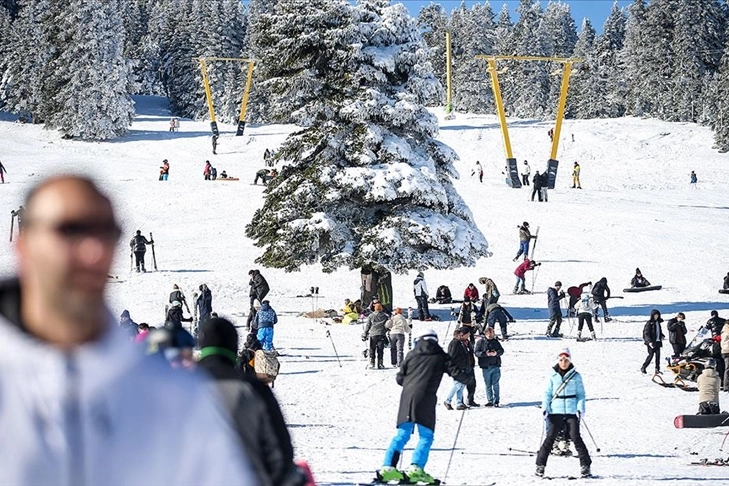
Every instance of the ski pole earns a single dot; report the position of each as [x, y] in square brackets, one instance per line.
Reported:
[453, 449]
[329, 335]
[535, 274]
[589, 433]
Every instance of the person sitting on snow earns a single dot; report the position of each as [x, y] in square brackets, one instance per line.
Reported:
[709, 384]
[726, 282]
[639, 280]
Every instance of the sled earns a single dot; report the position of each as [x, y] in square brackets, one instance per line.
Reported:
[228, 179]
[724, 291]
[701, 421]
[643, 289]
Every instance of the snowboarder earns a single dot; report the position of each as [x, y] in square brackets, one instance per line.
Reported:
[495, 313]
[259, 286]
[398, 327]
[420, 289]
[520, 273]
[462, 361]
[677, 334]
[576, 176]
[420, 376]
[525, 237]
[204, 303]
[554, 295]
[266, 318]
[138, 244]
[584, 308]
[526, 171]
[694, 179]
[2, 172]
[207, 171]
[563, 405]
[471, 292]
[488, 351]
[545, 185]
[639, 280]
[164, 170]
[215, 144]
[709, 383]
[653, 337]
[537, 181]
[601, 293]
[375, 330]
[478, 170]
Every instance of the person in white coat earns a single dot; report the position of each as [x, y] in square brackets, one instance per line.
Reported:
[584, 309]
[87, 407]
[420, 289]
[398, 327]
[526, 171]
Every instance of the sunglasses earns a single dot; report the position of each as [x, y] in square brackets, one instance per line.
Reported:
[107, 231]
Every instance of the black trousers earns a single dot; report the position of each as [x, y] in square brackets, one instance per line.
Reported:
[139, 258]
[555, 423]
[678, 349]
[538, 192]
[525, 179]
[423, 311]
[653, 351]
[602, 303]
[377, 347]
[582, 319]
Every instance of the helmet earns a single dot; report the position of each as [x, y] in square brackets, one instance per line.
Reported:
[710, 363]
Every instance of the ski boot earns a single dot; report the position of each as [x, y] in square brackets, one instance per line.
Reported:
[415, 474]
[585, 472]
[579, 336]
[592, 335]
[549, 331]
[516, 289]
[389, 474]
[540, 471]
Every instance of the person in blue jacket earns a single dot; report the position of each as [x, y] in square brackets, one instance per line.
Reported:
[265, 319]
[563, 405]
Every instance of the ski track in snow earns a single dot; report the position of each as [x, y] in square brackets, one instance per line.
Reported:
[636, 210]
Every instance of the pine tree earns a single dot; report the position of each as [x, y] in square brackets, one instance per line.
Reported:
[609, 87]
[631, 59]
[583, 101]
[560, 36]
[433, 23]
[718, 98]
[366, 181]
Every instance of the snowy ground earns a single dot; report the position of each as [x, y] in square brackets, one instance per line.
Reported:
[636, 209]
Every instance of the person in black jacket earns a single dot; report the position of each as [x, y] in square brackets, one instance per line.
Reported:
[726, 282]
[537, 186]
[420, 376]
[639, 280]
[554, 295]
[489, 351]
[715, 324]
[204, 303]
[139, 247]
[177, 295]
[677, 334]
[462, 361]
[652, 337]
[601, 293]
[259, 286]
[545, 184]
[255, 412]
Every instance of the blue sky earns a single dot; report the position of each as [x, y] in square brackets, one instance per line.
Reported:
[596, 10]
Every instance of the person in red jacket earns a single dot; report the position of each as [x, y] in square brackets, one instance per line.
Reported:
[471, 293]
[520, 272]
[208, 170]
[575, 292]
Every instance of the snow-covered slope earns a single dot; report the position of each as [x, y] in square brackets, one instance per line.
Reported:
[636, 209]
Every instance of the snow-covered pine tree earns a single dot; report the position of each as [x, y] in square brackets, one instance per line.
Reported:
[560, 36]
[93, 100]
[583, 101]
[609, 89]
[433, 23]
[367, 181]
[718, 102]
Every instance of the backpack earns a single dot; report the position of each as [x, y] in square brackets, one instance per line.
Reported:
[266, 365]
[214, 173]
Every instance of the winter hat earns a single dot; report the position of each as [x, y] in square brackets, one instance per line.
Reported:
[565, 352]
[420, 274]
[637, 270]
[256, 304]
[557, 283]
[426, 333]
[378, 307]
[125, 313]
[398, 310]
[176, 287]
[525, 224]
[482, 280]
[714, 314]
[218, 333]
[655, 311]
[176, 303]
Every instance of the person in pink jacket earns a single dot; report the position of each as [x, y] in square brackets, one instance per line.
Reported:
[520, 272]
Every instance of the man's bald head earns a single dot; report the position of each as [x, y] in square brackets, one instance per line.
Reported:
[70, 181]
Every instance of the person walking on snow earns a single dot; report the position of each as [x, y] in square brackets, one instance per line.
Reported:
[259, 286]
[537, 191]
[2, 172]
[694, 179]
[478, 170]
[207, 172]
[488, 351]
[266, 318]
[398, 327]
[563, 404]
[545, 186]
[375, 330]
[204, 303]
[709, 383]
[520, 273]
[462, 361]
[525, 237]
[554, 295]
[420, 376]
[526, 171]
[601, 293]
[653, 337]
[576, 176]
[584, 308]
[215, 144]
[677, 334]
[138, 244]
[420, 289]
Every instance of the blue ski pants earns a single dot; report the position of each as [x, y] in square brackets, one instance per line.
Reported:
[523, 248]
[265, 335]
[422, 449]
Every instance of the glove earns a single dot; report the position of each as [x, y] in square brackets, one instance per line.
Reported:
[364, 337]
[561, 294]
[512, 320]
[545, 413]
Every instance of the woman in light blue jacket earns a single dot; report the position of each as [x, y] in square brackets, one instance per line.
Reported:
[563, 405]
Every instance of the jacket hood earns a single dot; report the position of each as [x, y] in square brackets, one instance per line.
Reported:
[603, 280]
[428, 346]
[265, 306]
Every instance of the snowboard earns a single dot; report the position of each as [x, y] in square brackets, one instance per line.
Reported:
[643, 289]
[701, 421]
[724, 291]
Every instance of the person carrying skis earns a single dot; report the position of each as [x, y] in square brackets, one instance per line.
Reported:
[462, 360]
[3, 171]
[677, 334]
[259, 286]
[653, 337]
[709, 384]
[520, 273]
[537, 181]
[420, 376]
[584, 308]
[525, 237]
[488, 351]
[398, 327]
[601, 293]
[204, 303]
[525, 173]
[208, 170]
[639, 280]
[495, 313]
[576, 177]
[563, 404]
[375, 330]
[420, 289]
[138, 244]
[554, 295]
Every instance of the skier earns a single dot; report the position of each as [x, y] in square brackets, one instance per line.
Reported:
[462, 361]
[575, 293]
[525, 173]
[537, 181]
[694, 179]
[677, 334]
[494, 313]
[652, 337]
[520, 273]
[709, 384]
[525, 237]
[584, 309]
[375, 331]
[420, 376]
[138, 244]
[259, 286]
[545, 185]
[215, 144]
[471, 292]
[563, 405]
[420, 289]
[164, 171]
[208, 170]
[265, 319]
[601, 293]
[398, 327]
[576, 176]
[488, 351]
[204, 303]
[639, 280]
[478, 170]
[2, 172]
[554, 295]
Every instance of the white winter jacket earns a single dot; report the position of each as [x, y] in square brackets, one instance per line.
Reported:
[397, 324]
[725, 339]
[586, 304]
[104, 414]
[419, 287]
[525, 169]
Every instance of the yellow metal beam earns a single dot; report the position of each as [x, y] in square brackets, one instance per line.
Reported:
[560, 108]
[499, 106]
[206, 84]
[244, 104]
[449, 88]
